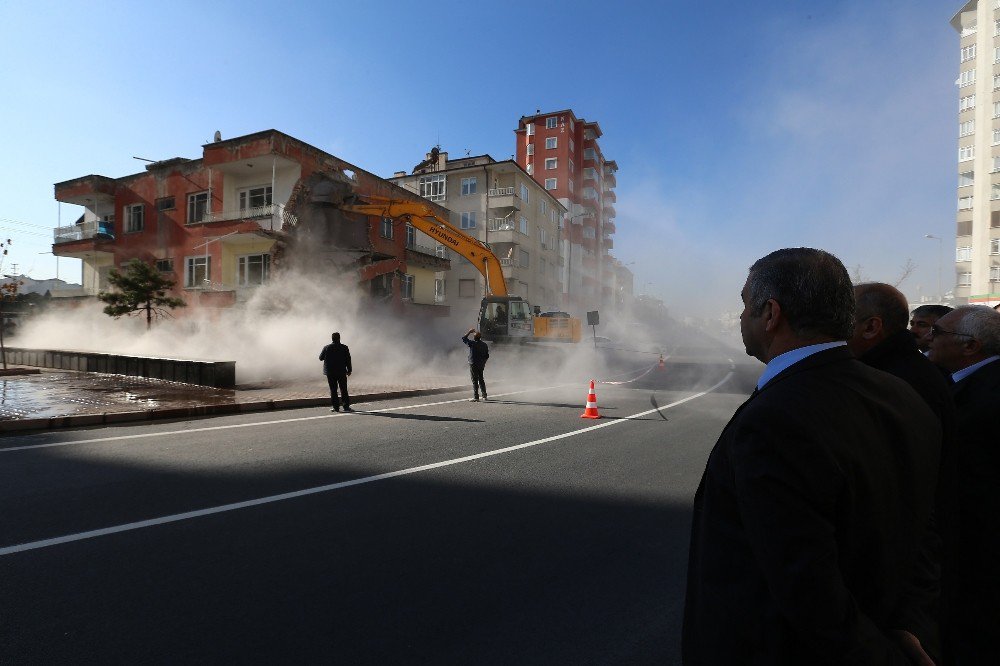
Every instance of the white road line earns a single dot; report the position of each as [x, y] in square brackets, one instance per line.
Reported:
[163, 520]
[231, 426]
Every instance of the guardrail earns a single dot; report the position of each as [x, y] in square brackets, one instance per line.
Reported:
[83, 231]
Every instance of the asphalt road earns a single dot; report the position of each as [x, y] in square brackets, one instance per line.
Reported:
[427, 530]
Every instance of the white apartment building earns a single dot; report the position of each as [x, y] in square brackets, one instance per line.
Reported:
[500, 204]
[977, 247]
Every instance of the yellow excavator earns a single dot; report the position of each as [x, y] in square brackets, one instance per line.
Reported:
[502, 317]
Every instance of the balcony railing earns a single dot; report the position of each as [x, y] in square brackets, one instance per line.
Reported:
[87, 230]
[498, 224]
[501, 191]
[269, 216]
[504, 261]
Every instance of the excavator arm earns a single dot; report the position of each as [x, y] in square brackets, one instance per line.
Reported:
[426, 220]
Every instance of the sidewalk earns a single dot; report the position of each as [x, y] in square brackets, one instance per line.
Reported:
[61, 398]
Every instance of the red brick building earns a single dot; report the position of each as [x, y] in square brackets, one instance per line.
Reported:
[562, 153]
[218, 224]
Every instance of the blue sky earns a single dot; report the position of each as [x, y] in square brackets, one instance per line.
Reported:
[738, 127]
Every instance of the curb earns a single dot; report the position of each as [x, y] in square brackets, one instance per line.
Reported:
[112, 418]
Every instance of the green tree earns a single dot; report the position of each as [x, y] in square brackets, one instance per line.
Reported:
[139, 288]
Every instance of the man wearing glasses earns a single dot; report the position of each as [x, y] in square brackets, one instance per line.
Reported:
[966, 343]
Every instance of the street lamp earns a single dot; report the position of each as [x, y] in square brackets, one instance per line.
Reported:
[940, 262]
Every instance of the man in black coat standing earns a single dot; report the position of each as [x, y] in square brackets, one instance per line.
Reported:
[818, 494]
[882, 341]
[966, 343]
[337, 368]
[479, 353]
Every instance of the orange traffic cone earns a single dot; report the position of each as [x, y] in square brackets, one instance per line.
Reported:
[591, 411]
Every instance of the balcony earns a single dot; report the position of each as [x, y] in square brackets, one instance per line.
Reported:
[609, 227]
[96, 229]
[508, 262]
[608, 242]
[271, 217]
[499, 224]
[609, 210]
[504, 197]
[609, 195]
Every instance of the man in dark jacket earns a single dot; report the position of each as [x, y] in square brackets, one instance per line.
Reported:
[881, 341]
[817, 496]
[479, 353]
[966, 343]
[337, 368]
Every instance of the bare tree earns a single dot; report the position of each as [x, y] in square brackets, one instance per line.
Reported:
[908, 269]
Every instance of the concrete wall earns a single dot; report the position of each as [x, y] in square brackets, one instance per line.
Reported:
[217, 374]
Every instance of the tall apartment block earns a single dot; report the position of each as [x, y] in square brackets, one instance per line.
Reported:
[561, 152]
[977, 253]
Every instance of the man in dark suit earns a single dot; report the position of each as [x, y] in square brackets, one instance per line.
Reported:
[966, 343]
[923, 318]
[336, 359]
[816, 498]
[881, 341]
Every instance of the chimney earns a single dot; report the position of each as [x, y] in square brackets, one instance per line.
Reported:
[442, 161]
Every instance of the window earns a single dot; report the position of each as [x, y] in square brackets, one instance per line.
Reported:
[569, 185]
[253, 269]
[995, 192]
[995, 246]
[994, 273]
[542, 238]
[967, 78]
[571, 166]
[197, 272]
[411, 235]
[255, 197]
[197, 207]
[552, 216]
[964, 228]
[996, 82]
[968, 52]
[996, 55]
[469, 186]
[572, 146]
[965, 203]
[967, 103]
[530, 169]
[963, 253]
[551, 163]
[996, 136]
[589, 154]
[466, 288]
[589, 135]
[589, 232]
[524, 225]
[524, 193]
[469, 220]
[165, 265]
[965, 279]
[440, 251]
[996, 165]
[542, 206]
[542, 267]
[531, 149]
[965, 178]
[996, 109]
[550, 183]
[530, 128]
[523, 259]
[133, 218]
[432, 187]
[439, 293]
[385, 228]
[406, 287]
[551, 122]
[551, 142]
[967, 128]
[966, 153]
[165, 203]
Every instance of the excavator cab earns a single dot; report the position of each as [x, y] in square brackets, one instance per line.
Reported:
[505, 318]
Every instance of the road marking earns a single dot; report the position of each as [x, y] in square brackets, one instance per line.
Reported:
[231, 426]
[177, 517]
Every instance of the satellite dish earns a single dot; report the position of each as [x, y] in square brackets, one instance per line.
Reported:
[218, 136]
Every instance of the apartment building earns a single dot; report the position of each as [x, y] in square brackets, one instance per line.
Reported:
[977, 247]
[217, 225]
[498, 203]
[563, 154]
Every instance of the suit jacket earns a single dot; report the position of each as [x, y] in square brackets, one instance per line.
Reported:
[973, 567]
[898, 355]
[336, 359]
[809, 517]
